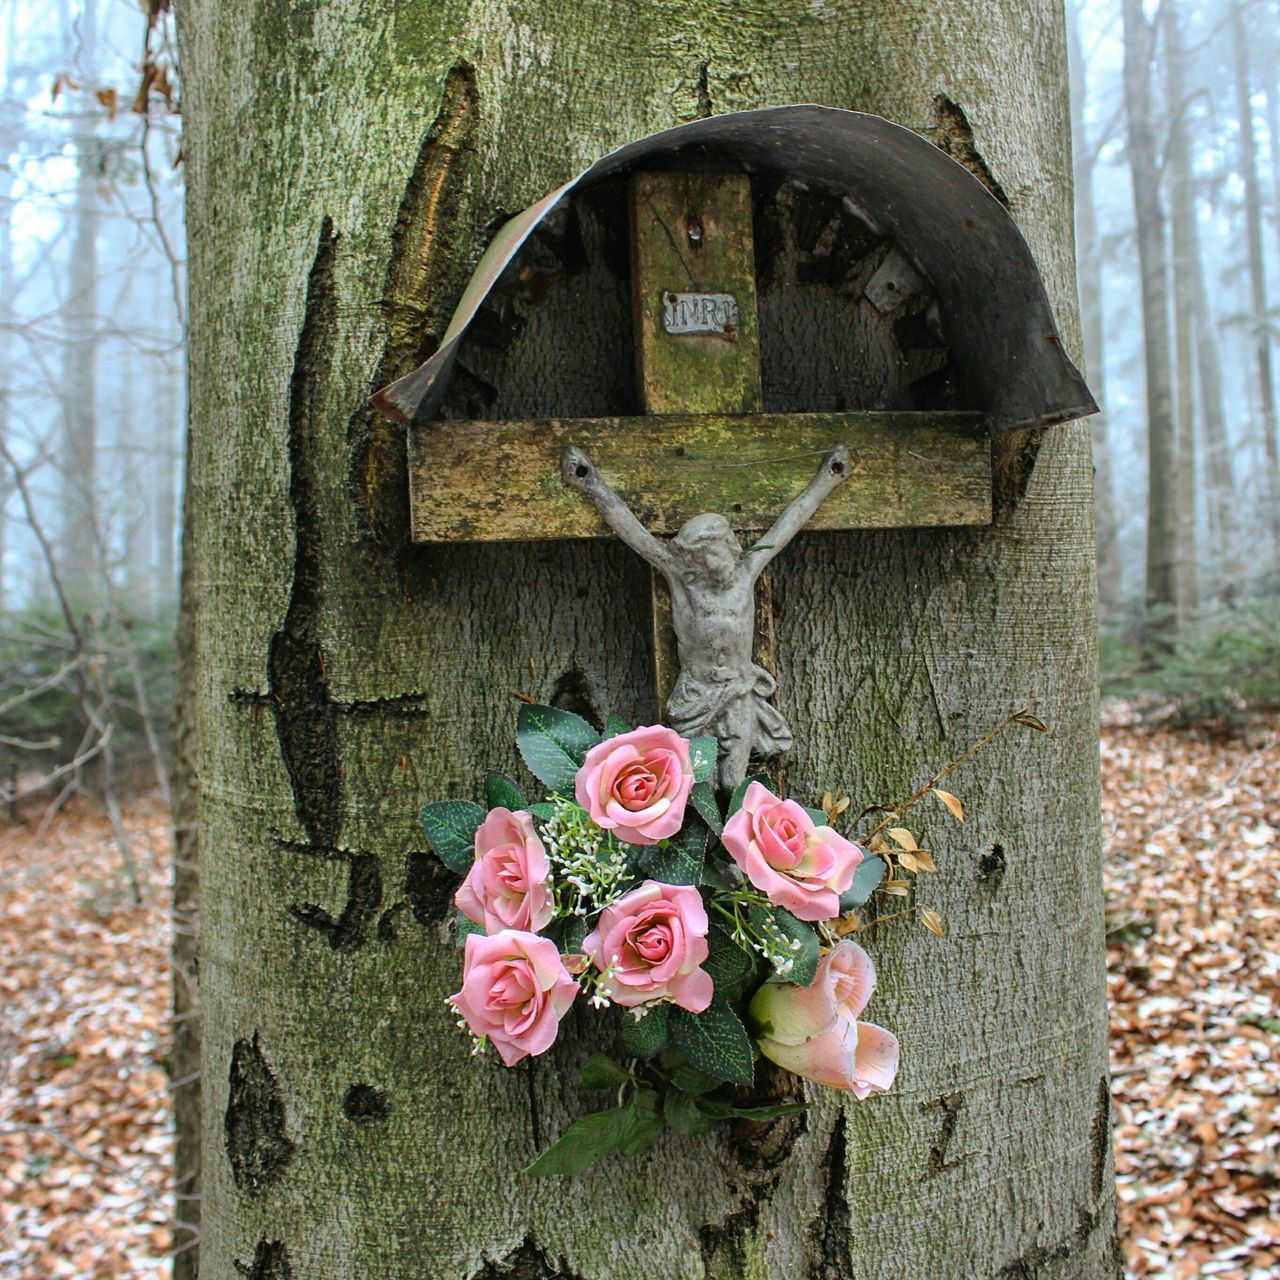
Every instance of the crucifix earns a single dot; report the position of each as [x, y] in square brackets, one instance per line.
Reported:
[719, 691]
[703, 463]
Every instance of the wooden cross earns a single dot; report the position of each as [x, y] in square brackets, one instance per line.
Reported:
[707, 446]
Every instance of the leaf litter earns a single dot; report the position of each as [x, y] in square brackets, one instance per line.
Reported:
[1192, 829]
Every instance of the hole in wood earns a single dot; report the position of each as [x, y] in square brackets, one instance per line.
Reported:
[580, 471]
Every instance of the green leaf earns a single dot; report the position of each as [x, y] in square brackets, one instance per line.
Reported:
[600, 1072]
[615, 725]
[702, 754]
[462, 928]
[679, 860]
[451, 828]
[644, 1127]
[769, 1113]
[544, 809]
[683, 1114]
[704, 802]
[502, 793]
[723, 1109]
[819, 816]
[583, 1143]
[730, 967]
[865, 879]
[740, 792]
[692, 1081]
[805, 966]
[715, 1041]
[553, 744]
[643, 1038]
[575, 930]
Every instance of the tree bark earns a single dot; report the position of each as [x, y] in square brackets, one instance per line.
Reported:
[1185, 242]
[344, 678]
[1153, 269]
[1248, 170]
[184, 797]
[1085, 158]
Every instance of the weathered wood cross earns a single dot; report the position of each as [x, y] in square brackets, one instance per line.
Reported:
[707, 446]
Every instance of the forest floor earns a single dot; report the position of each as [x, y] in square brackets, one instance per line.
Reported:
[1192, 827]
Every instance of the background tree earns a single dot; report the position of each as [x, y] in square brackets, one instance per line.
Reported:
[343, 677]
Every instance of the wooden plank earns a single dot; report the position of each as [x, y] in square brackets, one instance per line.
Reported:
[693, 288]
[693, 294]
[500, 481]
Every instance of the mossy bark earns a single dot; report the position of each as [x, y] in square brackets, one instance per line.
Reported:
[346, 162]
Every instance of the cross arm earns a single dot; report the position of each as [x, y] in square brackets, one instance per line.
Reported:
[832, 471]
[579, 472]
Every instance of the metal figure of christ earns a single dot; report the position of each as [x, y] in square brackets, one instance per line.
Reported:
[720, 691]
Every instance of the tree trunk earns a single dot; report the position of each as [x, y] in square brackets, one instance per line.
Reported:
[168, 452]
[1248, 168]
[1219, 467]
[7, 141]
[79, 541]
[1085, 158]
[185, 1052]
[1186, 266]
[1153, 269]
[344, 678]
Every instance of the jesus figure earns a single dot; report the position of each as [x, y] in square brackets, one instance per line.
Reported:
[720, 692]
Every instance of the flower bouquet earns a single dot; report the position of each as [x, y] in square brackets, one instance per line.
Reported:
[718, 934]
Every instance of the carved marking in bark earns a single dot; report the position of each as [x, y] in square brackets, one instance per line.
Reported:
[270, 1262]
[573, 693]
[830, 1230]
[429, 888]
[362, 1103]
[424, 244]
[991, 865]
[950, 1104]
[257, 1146]
[955, 137]
[1100, 1137]
[527, 1262]
[706, 107]
[350, 929]
[1031, 1264]
[305, 716]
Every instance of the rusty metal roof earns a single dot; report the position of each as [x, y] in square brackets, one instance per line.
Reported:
[993, 305]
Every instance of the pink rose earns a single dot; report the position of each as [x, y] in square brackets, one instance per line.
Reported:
[508, 884]
[515, 990]
[654, 939]
[792, 861]
[636, 785]
[814, 1032]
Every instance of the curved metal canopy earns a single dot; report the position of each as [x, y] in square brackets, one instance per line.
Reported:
[994, 309]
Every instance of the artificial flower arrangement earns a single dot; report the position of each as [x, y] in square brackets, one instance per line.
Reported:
[721, 935]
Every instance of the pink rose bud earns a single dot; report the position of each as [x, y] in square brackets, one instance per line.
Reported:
[637, 784]
[652, 942]
[514, 991]
[792, 861]
[508, 886]
[814, 1032]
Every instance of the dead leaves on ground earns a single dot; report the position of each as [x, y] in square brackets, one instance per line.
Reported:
[1194, 974]
[85, 1149]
